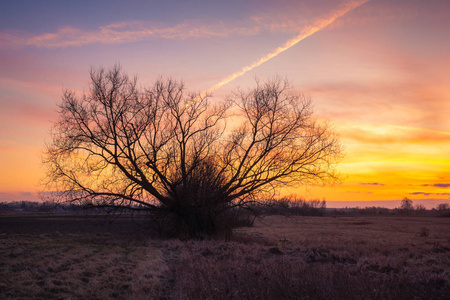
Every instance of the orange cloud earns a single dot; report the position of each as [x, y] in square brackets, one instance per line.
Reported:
[387, 162]
[388, 134]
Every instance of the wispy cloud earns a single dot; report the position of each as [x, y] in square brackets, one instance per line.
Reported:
[372, 183]
[440, 185]
[428, 194]
[125, 32]
[132, 31]
[18, 196]
[389, 134]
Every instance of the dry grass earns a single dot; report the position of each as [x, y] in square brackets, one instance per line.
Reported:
[279, 258]
[94, 260]
[321, 258]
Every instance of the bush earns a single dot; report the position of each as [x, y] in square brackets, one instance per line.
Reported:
[295, 206]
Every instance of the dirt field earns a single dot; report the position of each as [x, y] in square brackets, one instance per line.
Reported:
[51, 256]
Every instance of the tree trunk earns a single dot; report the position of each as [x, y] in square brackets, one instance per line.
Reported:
[198, 221]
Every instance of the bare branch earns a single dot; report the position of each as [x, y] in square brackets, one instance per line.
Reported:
[164, 149]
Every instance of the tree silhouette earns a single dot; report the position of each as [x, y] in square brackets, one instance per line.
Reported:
[406, 205]
[165, 150]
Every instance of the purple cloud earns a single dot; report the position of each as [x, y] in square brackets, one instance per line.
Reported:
[441, 185]
[428, 194]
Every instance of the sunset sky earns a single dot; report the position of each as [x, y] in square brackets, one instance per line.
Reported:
[378, 70]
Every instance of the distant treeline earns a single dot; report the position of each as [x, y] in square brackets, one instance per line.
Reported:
[288, 206]
[32, 206]
[442, 210]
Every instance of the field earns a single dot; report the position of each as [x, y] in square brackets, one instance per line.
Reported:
[384, 257]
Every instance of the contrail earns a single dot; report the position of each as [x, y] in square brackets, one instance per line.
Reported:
[306, 32]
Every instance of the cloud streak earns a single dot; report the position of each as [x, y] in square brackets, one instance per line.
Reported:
[428, 194]
[372, 183]
[122, 32]
[394, 134]
[133, 31]
[306, 32]
[440, 185]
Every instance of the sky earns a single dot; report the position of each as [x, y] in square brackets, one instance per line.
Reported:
[377, 70]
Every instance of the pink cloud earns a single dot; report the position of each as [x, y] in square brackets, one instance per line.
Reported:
[410, 100]
[33, 87]
[132, 31]
[19, 196]
[11, 40]
[125, 32]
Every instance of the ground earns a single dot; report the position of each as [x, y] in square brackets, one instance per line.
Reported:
[380, 257]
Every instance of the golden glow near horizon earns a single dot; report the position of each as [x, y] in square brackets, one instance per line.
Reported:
[391, 162]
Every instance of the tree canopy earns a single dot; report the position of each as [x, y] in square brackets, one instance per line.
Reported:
[164, 149]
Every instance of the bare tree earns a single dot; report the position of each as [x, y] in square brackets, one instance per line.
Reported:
[443, 210]
[443, 207]
[165, 150]
[406, 205]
